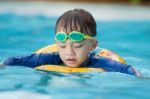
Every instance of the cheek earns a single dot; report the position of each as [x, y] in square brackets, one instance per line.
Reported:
[82, 53]
[61, 53]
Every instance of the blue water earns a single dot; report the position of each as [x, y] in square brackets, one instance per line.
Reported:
[24, 34]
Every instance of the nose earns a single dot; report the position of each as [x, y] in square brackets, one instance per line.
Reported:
[70, 51]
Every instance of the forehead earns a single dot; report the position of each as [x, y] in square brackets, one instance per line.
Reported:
[69, 25]
[68, 32]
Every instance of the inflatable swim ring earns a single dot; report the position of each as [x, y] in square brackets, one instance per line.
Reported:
[66, 69]
[98, 52]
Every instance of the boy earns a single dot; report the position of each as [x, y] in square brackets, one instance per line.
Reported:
[75, 32]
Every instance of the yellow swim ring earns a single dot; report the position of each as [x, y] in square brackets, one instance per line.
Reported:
[58, 68]
[66, 69]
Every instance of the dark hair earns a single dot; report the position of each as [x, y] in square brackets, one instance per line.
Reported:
[76, 20]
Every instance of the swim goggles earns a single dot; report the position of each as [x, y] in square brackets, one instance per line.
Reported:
[74, 36]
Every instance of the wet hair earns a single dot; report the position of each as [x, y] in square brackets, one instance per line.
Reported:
[76, 20]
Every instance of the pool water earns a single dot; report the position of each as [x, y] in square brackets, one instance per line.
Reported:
[24, 34]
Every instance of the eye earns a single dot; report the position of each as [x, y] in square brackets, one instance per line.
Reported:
[62, 45]
[77, 46]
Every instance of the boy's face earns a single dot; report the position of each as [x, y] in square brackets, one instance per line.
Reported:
[73, 54]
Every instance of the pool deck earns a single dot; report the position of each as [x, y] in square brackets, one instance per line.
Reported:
[103, 12]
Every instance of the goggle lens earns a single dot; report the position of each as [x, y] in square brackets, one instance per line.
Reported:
[76, 36]
[61, 37]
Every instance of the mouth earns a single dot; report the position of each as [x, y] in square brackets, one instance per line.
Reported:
[71, 61]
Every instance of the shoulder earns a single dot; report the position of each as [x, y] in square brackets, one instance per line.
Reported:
[53, 54]
[98, 61]
[51, 57]
[108, 64]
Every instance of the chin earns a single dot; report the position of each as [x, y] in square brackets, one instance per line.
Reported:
[72, 65]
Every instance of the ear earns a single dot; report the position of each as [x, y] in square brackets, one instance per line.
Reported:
[94, 44]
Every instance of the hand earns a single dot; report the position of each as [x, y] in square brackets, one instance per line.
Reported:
[1, 65]
[137, 73]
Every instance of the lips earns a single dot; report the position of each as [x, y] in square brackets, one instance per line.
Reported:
[71, 60]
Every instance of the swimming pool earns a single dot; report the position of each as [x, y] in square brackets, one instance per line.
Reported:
[24, 34]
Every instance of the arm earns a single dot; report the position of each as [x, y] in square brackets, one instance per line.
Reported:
[32, 60]
[125, 68]
[115, 66]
